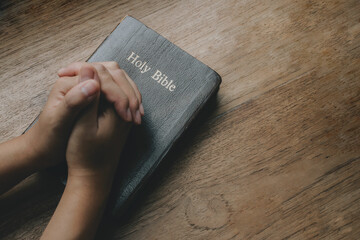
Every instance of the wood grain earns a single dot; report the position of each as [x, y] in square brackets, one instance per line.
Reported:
[275, 157]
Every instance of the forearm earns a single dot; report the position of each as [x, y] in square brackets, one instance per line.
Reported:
[80, 209]
[16, 162]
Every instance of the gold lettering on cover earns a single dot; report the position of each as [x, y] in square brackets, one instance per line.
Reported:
[158, 76]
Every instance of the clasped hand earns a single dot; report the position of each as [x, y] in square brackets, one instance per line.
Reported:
[86, 121]
[74, 125]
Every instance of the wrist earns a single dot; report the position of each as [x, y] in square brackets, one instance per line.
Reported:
[25, 153]
[44, 146]
[99, 183]
[30, 151]
[16, 163]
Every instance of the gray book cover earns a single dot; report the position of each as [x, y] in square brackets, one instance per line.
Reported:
[174, 87]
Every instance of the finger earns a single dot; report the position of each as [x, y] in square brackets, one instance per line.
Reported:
[88, 119]
[113, 92]
[77, 98]
[111, 65]
[137, 92]
[72, 69]
[88, 71]
[64, 84]
[121, 80]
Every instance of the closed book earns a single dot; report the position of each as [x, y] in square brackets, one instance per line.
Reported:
[174, 87]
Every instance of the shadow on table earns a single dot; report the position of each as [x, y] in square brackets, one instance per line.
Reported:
[27, 205]
[110, 225]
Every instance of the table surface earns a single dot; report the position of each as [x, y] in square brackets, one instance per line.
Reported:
[275, 156]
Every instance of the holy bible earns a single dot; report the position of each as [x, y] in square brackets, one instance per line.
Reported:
[174, 87]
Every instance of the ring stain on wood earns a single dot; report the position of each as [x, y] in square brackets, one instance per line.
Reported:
[206, 211]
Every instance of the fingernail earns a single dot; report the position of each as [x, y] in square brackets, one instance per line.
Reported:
[89, 88]
[128, 115]
[137, 117]
[141, 109]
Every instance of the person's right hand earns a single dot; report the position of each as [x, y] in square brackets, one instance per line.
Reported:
[95, 143]
[92, 155]
[117, 87]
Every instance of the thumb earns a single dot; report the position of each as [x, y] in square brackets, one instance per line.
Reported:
[78, 98]
[81, 95]
[88, 118]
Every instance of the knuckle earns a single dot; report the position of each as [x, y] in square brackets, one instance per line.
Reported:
[122, 101]
[134, 102]
[99, 66]
[137, 92]
[119, 72]
[60, 82]
[114, 65]
[88, 65]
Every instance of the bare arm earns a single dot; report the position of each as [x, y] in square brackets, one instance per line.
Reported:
[80, 209]
[45, 143]
[92, 156]
[16, 162]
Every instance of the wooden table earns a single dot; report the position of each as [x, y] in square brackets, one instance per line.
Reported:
[275, 156]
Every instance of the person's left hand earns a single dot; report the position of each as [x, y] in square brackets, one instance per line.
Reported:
[47, 139]
[116, 86]
[92, 156]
